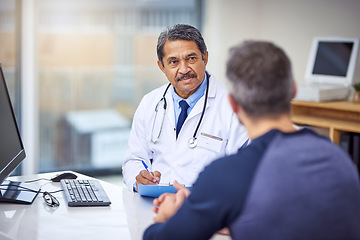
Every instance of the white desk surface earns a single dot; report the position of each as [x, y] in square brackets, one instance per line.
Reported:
[126, 218]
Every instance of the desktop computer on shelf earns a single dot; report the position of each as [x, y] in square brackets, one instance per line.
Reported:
[330, 69]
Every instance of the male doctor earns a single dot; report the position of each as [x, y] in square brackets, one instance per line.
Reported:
[181, 127]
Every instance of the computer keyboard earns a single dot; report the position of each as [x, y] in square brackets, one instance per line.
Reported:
[84, 193]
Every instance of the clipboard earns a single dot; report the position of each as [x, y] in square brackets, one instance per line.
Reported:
[156, 190]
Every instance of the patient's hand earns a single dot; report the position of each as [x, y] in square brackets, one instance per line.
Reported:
[224, 231]
[168, 203]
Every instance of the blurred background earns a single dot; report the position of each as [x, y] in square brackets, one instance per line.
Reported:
[77, 69]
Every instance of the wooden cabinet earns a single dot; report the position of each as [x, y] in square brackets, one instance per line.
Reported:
[337, 116]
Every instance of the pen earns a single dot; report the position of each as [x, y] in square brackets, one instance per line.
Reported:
[146, 167]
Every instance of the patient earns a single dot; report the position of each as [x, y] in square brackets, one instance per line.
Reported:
[286, 184]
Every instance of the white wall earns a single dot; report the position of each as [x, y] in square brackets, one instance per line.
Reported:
[291, 24]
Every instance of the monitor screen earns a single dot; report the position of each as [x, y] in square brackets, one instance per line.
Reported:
[12, 153]
[11, 148]
[332, 58]
[332, 61]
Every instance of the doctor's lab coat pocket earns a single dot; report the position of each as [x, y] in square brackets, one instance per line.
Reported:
[204, 156]
[211, 142]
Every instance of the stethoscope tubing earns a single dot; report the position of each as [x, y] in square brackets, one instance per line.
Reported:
[192, 141]
[204, 107]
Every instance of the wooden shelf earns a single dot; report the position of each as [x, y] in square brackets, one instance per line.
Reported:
[338, 116]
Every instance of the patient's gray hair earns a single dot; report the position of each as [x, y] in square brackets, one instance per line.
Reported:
[260, 78]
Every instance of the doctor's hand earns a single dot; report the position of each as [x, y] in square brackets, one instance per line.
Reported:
[168, 203]
[146, 178]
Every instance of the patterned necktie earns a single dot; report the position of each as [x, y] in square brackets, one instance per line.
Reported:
[183, 114]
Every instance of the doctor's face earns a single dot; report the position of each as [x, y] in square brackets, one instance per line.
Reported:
[183, 66]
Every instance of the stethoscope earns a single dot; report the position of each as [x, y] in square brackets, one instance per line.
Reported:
[193, 140]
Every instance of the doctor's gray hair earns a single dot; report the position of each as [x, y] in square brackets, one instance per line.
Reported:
[180, 32]
[260, 78]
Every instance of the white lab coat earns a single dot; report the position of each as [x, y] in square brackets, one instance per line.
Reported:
[172, 157]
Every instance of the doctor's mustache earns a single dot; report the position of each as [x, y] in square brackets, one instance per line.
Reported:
[188, 75]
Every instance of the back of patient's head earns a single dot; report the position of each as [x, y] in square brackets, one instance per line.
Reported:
[260, 78]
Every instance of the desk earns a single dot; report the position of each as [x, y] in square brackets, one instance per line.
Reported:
[337, 116]
[126, 218]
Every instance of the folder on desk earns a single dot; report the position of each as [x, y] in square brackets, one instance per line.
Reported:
[156, 190]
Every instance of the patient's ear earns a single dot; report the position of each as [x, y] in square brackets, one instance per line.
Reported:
[294, 90]
[233, 104]
[238, 110]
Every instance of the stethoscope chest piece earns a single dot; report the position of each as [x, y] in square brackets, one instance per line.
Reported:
[192, 142]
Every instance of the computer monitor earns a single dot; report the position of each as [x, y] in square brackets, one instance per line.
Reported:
[12, 152]
[332, 60]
